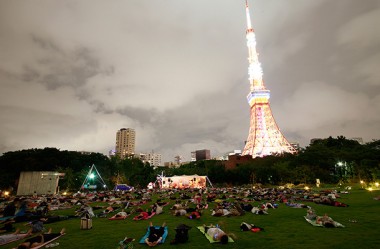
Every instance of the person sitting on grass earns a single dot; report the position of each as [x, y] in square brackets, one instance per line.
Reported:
[216, 233]
[40, 239]
[155, 235]
[157, 208]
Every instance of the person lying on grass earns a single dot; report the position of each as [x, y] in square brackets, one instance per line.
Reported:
[155, 235]
[195, 215]
[180, 212]
[40, 239]
[7, 238]
[7, 226]
[143, 215]
[310, 214]
[325, 220]
[121, 214]
[216, 234]
[179, 205]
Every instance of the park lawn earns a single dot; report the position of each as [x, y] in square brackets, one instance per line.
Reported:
[285, 227]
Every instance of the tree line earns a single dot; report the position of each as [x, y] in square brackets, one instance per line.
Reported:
[332, 160]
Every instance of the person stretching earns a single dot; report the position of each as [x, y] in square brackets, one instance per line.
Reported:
[40, 239]
[155, 235]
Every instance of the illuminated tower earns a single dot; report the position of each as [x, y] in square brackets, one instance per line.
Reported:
[264, 138]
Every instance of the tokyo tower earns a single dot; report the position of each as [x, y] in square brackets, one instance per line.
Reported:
[264, 138]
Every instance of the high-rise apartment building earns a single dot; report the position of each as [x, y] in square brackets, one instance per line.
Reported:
[125, 142]
[153, 159]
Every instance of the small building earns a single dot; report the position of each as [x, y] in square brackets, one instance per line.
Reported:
[202, 155]
[235, 160]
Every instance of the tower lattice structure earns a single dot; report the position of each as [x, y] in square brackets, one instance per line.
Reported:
[264, 138]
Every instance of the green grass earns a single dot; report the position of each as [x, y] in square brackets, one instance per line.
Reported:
[284, 228]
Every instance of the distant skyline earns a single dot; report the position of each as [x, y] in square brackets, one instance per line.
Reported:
[72, 73]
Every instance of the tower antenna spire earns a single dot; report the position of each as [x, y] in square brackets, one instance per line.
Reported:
[249, 24]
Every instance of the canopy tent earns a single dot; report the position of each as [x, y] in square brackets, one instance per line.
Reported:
[122, 187]
[184, 181]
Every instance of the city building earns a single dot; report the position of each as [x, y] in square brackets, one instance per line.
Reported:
[125, 142]
[264, 137]
[192, 157]
[225, 156]
[202, 155]
[170, 165]
[235, 160]
[178, 160]
[153, 159]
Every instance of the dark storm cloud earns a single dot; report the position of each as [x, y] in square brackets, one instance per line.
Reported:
[69, 68]
[176, 71]
[317, 39]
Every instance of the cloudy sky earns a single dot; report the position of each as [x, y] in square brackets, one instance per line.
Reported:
[74, 72]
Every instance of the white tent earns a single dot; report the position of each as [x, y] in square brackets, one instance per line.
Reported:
[184, 181]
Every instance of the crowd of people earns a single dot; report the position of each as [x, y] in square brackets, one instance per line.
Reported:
[192, 203]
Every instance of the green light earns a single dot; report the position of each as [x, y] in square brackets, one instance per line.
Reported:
[92, 176]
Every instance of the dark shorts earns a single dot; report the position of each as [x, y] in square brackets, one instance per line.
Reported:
[155, 234]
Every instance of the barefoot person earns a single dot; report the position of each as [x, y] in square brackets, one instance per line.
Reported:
[7, 238]
[155, 235]
[40, 239]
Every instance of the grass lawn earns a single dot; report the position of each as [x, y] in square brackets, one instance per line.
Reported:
[284, 227]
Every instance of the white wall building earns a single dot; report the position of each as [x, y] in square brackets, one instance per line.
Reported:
[153, 159]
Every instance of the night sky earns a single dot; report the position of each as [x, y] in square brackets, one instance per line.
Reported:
[72, 73]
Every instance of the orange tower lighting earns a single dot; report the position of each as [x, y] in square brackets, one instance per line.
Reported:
[264, 138]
